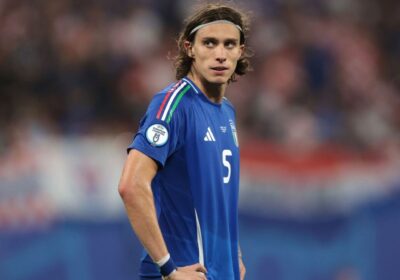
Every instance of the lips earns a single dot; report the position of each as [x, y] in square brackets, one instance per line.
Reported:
[219, 68]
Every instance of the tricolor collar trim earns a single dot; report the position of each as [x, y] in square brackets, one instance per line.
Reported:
[190, 83]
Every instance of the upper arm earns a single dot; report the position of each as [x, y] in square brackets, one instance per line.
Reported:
[162, 129]
[139, 169]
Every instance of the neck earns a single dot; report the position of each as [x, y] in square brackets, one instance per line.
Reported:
[214, 92]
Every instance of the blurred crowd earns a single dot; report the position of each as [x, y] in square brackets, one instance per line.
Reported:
[325, 72]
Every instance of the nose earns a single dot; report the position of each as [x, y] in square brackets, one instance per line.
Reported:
[221, 54]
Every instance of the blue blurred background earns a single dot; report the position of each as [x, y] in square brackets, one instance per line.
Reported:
[318, 118]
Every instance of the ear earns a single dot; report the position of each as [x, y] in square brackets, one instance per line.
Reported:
[242, 47]
[189, 48]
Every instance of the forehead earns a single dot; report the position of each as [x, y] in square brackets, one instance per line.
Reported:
[219, 31]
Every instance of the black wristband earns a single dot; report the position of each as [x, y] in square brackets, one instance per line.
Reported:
[167, 268]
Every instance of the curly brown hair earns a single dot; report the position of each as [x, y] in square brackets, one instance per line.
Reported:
[206, 14]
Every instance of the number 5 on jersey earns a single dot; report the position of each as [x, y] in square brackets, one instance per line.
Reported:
[227, 164]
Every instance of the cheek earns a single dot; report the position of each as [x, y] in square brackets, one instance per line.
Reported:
[198, 54]
[238, 54]
[235, 58]
[235, 55]
[203, 60]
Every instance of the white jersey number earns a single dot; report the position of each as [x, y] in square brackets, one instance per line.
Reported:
[227, 164]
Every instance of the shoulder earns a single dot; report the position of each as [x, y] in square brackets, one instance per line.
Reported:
[176, 97]
[175, 90]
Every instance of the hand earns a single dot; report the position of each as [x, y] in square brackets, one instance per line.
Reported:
[242, 268]
[190, 272]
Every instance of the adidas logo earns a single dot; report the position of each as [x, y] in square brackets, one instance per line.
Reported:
[209, 136]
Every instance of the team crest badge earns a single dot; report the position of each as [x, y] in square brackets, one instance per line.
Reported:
[157, 135]
[234, 134]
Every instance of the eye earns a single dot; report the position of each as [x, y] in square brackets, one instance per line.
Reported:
[230, 44]
[209, 43]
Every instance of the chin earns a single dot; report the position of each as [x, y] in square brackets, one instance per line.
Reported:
[218, 80]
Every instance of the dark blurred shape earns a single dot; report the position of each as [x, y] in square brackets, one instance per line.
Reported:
[324, 69]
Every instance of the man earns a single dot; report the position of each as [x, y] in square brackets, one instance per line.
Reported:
[181, 178]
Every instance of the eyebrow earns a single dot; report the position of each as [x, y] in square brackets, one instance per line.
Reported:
[225, 39]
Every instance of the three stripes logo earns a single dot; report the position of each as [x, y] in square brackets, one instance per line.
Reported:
[209, 136]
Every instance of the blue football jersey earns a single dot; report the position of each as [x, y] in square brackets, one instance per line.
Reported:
[195, 145]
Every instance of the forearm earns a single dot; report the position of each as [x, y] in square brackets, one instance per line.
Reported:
[141, 212]
[135, 190]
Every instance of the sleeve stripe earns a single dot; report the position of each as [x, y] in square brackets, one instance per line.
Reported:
[171, 100]
[166, 98]
[178, 99]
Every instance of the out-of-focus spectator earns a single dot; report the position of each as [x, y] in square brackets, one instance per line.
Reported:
[325, 71]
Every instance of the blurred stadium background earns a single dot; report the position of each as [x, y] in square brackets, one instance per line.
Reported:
[319, 123]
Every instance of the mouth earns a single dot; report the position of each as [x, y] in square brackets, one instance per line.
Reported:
[219, 70]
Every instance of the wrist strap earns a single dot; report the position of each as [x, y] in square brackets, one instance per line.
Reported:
[168, 267]
[163, 260]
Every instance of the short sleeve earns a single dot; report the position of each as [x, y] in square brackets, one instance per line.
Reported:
[159, 137]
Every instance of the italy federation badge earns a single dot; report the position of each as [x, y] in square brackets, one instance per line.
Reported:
[157, 135]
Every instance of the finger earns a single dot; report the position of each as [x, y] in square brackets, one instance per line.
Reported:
[202, 276]
[198, 267]
[201, 268]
